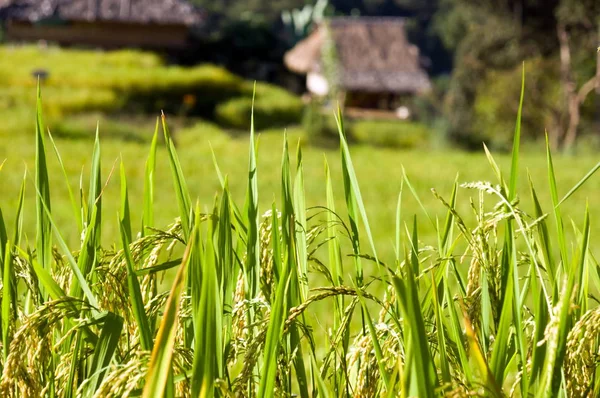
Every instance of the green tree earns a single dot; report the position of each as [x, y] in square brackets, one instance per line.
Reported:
[578, 21]
[491, 36]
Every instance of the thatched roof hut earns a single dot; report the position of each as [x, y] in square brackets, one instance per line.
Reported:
[372, 55]
[138, 23]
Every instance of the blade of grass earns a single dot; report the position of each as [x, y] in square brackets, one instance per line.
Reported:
[74, 369]
[104, 350]
[335, 253]
[162, 351]
[275, 328]
[560, 232]
[135, 293]
[416, 196]
[398, 226]
[274, 335]
[167, 265]
[294, 245]
[240, 224]
[441, 337]
[227, 270]
[552, 375]
[301, 226]
[500, 349]
[42, 181]
[95, 192]
[93, 226]
[8, 282]
[125, 219]
[544, 236]
[207, 368]
[514, 168]
[181, 190]
[76, 209]
[456, 334]
[421, 364]
[78, 276]
[580, 183]
[87, 255]
[150, 167]
[19, 214]
[353, 201]
[251, 214]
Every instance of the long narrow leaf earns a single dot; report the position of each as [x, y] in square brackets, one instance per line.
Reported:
[135, 294]
[162, 352]
[148, 206]
[43, 207]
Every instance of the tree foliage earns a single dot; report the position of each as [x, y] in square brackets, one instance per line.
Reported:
[492, 38]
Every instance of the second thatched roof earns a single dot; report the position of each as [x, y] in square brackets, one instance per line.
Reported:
[372, 54]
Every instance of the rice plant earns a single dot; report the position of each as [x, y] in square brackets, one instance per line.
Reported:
[234, 300]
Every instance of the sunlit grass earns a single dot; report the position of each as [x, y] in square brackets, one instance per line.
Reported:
[287, 276]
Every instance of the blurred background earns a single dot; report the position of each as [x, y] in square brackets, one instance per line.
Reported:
[420, 82]
[448, 70]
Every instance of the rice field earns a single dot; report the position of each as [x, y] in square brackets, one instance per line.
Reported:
[255, 267]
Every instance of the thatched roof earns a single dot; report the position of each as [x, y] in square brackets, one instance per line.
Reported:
[179, 12]
[373, 54]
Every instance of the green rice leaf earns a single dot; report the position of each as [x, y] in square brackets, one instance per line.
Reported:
[441, 337]
[125, 219]
[251, 215]
[353, 200]
[162, 351]
[75, 366]
[580, 183]
[275, 328]
[135, 294]
[274, 335]
[239, 218]
[423, 377]
[18, 217]
[416, 196]
[560, 231]
[207, 368]
[74, 206]
[8, 299]
[104, 350]
[78, 276]
[148, 206]
[514, 168]
[301, 225]
[181, 190]
[42, 181]
[95, 192]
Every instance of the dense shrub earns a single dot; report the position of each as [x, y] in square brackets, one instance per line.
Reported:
[131, 81]
[79, 80]
[109, 86]
[396, 134]
[273, 107]
[184, 90]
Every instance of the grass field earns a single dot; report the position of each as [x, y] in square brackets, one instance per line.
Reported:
[360, 300]
[380, 172]
[346, 276]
